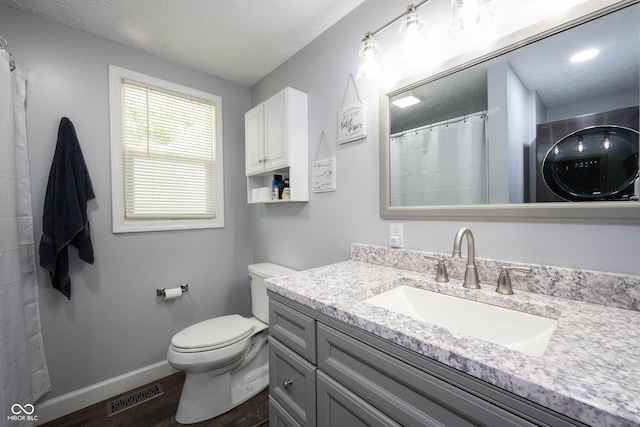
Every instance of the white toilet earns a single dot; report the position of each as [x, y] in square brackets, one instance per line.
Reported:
[225, 359]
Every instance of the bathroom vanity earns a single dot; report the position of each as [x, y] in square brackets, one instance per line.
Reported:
[336, 359]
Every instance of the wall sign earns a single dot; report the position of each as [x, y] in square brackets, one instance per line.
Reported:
[324, 175]
[352, 119]
[352, 123]
[323, 172]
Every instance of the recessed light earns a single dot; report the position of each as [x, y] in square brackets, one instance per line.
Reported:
[406, 101]
[584, 55]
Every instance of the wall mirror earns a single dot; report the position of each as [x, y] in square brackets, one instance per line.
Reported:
[523, 133]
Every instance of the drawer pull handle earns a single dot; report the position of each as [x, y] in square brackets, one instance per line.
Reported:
[286, 384]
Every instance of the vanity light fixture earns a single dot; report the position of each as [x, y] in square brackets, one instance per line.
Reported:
[468, 15]
[370, 59]
[584, 55]
[413, 40]
[406, 101]
[411, 32]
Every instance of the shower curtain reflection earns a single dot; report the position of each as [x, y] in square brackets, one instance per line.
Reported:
[440, 164]
[24, 377]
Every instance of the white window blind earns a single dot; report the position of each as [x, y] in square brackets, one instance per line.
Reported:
[169, 155]
[166, 155]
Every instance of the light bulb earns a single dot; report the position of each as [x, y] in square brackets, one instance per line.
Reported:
[370, 56]
[470, 16]
[580, 145]
[412, 35]
[607, 142]
[412, 21]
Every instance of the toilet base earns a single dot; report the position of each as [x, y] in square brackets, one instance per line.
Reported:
[205, 396]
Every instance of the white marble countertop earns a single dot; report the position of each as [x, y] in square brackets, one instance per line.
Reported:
[590, 370]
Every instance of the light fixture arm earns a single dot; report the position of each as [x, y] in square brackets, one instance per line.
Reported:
[396, 19]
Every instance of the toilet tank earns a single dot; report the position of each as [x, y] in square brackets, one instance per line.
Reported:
[259, 300]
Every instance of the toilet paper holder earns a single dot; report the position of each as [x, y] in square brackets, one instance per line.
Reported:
[161, 292]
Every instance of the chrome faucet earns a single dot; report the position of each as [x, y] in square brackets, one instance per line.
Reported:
[471, 273]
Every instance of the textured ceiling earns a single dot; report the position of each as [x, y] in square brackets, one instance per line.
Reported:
[238, 40]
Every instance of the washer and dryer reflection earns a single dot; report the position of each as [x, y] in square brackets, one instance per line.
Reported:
[588, 158]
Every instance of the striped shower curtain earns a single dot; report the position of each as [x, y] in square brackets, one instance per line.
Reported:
[24, 377]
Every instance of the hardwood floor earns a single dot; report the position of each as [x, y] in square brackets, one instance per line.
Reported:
[160, 411]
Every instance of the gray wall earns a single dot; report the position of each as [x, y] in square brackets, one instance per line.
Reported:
[114, 323]
[593, 105]
[320, 232]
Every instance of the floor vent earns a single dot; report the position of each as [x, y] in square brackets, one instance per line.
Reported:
[130, 400]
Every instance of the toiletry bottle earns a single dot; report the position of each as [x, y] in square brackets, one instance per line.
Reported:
[275, 187]
[281, 187]
[286, 191]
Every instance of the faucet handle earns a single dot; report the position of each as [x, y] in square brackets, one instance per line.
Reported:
[504, 281]
[441, 269]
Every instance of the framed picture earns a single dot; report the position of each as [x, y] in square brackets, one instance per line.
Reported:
[352, 122]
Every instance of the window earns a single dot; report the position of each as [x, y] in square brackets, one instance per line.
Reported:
[166, 155]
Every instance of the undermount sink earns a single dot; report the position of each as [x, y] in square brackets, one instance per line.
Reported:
[517, 330]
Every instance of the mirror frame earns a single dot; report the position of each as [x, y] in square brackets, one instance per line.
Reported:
[627, 212]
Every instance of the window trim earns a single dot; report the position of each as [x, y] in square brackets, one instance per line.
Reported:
[120, 223]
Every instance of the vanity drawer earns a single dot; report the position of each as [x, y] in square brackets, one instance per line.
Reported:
[292, 383]
[407, 394]
[278, 417]
[294, 329]
[338, 406]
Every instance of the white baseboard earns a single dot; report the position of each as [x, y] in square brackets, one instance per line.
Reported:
[57, 407]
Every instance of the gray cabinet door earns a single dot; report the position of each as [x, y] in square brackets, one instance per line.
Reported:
[294, 329]
[339, 407]
[409, 395]
[292, 383]
[278, 417]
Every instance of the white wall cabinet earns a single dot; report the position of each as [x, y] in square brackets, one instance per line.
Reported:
[277, 143]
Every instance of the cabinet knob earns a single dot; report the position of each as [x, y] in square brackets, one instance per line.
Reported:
[286, 384]
[260, 160]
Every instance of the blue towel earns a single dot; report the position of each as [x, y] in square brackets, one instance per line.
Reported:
[64, 219]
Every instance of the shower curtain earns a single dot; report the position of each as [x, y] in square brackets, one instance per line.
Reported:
[24, 377]
[440, 164]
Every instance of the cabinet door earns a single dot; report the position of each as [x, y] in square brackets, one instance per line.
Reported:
[294, 329]
[407, 394]
[278, 417]
[337, 406]
[254, 140]
[276, 135]
[292, 383]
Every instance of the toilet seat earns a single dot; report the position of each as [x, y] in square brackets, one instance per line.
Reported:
[213, 334]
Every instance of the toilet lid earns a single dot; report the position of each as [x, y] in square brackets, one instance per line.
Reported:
[214, 333]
